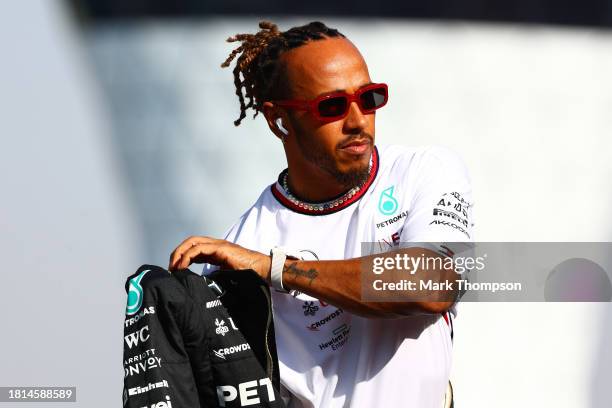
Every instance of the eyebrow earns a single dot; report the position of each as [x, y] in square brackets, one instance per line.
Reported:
[343, 90]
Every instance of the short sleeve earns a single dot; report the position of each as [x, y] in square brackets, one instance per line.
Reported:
[441, 206]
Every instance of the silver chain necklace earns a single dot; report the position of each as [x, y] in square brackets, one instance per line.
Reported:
[320, 206]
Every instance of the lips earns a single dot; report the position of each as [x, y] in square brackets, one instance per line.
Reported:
[360, 146]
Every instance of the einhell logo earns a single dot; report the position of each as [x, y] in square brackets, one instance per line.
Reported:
[148, 387]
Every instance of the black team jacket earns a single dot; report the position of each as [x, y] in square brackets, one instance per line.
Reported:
[192, 341]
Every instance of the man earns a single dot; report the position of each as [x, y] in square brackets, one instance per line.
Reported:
[339, 191]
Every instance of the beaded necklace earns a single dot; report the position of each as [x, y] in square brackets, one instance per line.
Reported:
[320, 206]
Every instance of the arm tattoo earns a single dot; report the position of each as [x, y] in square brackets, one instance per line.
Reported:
[310, 274]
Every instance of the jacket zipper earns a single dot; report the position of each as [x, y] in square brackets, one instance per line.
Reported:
[270, 369]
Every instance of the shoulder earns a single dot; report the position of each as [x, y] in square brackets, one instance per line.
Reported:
[248, 222]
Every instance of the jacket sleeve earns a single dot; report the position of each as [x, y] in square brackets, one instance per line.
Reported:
[164, 345]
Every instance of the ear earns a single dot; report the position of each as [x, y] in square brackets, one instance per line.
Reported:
[273, 114]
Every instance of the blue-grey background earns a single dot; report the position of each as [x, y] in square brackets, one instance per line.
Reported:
[118, 142]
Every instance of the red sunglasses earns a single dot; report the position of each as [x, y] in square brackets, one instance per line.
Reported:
[335, 106]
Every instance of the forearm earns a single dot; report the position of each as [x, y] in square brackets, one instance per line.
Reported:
[340, 283]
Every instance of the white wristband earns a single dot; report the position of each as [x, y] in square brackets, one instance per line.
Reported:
[279, 256]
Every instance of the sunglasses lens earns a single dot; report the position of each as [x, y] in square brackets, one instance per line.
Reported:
[333, 107]
[373, 98]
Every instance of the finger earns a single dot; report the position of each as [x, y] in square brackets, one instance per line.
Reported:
[184, 246]
[199, 253]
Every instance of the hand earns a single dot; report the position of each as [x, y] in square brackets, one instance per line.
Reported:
[219, 252]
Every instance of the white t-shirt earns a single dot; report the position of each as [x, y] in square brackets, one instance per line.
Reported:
[329, 357]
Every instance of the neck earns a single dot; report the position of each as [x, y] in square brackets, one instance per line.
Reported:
[314, 185]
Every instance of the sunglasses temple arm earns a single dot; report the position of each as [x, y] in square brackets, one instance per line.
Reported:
[301, 105]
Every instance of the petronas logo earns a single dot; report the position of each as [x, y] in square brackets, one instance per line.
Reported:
[135, 294]
[387, 204]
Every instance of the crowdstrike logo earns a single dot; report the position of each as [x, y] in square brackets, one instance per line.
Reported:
[315, 326]
[135, 294]
[387, 204]
[222, 353]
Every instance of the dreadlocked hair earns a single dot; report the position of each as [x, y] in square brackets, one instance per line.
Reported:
[258, 74]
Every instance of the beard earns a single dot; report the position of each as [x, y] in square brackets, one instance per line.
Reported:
[318, 157]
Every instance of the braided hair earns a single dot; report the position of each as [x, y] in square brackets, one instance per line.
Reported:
[258, 61]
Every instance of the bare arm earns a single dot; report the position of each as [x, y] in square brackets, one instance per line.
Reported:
[336, 282]
[340, 283]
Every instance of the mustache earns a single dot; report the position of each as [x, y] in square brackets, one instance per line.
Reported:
[360, 136]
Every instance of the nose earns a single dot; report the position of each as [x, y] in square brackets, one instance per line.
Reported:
[355, 121]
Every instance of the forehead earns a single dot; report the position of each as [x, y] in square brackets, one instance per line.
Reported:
[324, 66]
